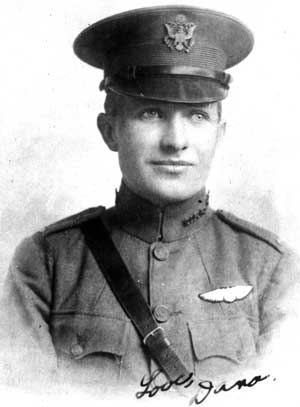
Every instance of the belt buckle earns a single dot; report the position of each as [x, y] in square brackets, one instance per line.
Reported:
[154, 332]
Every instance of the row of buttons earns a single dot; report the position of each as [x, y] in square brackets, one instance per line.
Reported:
[161, 312]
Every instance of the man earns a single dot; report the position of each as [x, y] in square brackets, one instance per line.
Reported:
[215, 284]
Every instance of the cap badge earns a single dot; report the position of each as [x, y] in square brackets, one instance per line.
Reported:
[180, 34]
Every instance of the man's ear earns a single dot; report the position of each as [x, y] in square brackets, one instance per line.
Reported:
[106, 129]
[221, 130]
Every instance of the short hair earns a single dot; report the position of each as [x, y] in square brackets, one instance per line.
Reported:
[114, 103]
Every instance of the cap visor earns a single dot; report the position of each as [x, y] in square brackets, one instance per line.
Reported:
[171, 89]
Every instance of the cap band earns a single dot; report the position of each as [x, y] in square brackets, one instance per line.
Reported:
[132, 72]
[219, 76]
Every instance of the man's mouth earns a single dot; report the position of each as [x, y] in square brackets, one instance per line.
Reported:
[171, 167]
[172, 163]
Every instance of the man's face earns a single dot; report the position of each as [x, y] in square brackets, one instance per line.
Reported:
[165, 149]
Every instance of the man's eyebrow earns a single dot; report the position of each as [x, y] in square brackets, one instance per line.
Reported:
[158, 104]
[146, 103]
[200, 105]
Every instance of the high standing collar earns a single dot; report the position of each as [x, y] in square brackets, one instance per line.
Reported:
[150, 223]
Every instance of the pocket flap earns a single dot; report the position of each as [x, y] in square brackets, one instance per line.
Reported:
[80, 335]
[229, 338]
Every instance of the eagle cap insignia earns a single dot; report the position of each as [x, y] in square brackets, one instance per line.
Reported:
[180, 34]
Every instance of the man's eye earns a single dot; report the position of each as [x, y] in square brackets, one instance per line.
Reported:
[198, 117]
[150, 114]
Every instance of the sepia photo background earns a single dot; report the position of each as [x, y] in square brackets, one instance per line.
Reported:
[54, 162]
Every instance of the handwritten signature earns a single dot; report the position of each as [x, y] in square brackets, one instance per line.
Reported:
[204, 387]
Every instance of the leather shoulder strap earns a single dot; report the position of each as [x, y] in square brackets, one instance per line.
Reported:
[131, 299]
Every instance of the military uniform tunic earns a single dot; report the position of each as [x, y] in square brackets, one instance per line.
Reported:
[64, 314]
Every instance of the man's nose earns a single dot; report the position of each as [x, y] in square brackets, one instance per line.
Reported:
[174, 135]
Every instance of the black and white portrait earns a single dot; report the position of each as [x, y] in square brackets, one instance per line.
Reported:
[149, 210]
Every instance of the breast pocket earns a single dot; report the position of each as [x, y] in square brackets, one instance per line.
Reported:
[221, 346]
[90, 348]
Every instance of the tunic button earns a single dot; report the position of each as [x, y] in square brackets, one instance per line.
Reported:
[161, 252]
[161, 313]
[76, 350]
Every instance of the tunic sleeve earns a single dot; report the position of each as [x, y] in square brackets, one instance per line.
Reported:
[280, 310]
[26, 303]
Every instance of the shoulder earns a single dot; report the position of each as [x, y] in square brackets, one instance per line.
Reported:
[72, 221]
[243, 227]
[58, 237]
[66, 229]
[258, 250]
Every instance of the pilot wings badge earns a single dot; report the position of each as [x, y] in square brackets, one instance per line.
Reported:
[180, 34]
[227, 294]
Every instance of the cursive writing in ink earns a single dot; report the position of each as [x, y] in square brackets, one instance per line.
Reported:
[209, 387]
[150, 389]
[205, 387]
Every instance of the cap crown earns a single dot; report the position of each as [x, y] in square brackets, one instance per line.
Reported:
[171, 41]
